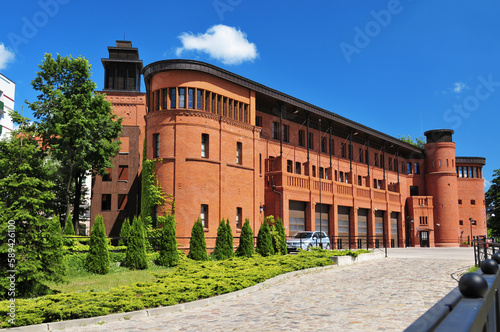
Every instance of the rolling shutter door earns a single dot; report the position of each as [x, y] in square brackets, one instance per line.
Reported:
[297, 219]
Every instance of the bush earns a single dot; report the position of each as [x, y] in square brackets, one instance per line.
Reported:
[169, 255]
[52, 244]
[97, 260]
[245, 248]
[136, 258]
[229, 239]
[280, 246]
[68, 231]
[124, 231]
[197, 243]
[190, 281]
[264, 241]
[224, 242]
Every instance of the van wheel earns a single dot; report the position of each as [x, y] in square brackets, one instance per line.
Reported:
[327, 246]
[309, 247]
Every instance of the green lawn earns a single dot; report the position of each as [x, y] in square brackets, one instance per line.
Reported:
[78, 280]
[118, 276]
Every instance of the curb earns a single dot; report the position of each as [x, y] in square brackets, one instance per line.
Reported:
[68, 324]
[349, 260]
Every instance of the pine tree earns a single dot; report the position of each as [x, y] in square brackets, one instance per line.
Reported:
[169, 255]
[69, 232]
[136, 258]
[281, 236]
[53, 257]
[97, 260]
[25, 195]
[229, 240]
[220, 250]
[245, 249]
[197, 244]
[124, 231]
[264, 241]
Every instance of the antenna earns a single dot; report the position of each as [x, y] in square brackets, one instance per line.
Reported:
[124, 36]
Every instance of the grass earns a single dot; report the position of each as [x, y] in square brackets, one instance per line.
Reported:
[93, 283]
[87, 295]
[79, 280]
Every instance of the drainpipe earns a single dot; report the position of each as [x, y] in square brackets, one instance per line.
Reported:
[281, 128]
[277, 192]
[307, 138]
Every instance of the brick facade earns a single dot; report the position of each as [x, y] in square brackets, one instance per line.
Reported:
[242, 150]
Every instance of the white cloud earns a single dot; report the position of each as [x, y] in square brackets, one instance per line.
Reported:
[459, 86]
[6, 56]
[221, 42]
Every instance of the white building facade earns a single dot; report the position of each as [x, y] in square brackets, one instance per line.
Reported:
[7, 93]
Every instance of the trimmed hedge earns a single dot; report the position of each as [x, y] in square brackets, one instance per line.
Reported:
[191, 280]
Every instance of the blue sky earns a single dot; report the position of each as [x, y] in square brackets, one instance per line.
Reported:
[400, 67]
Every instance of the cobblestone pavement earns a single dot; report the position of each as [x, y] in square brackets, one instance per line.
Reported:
[382, 295]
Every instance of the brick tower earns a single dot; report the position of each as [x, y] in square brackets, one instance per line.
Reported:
[441, 183]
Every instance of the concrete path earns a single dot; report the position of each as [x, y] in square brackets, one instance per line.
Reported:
[387, 294]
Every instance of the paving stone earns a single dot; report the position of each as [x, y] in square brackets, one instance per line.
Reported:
[382, 295]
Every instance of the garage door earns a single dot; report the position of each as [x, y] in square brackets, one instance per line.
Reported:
[322, 217]
[362, 222]
[394, 229]
[297, 212]
[344, 218]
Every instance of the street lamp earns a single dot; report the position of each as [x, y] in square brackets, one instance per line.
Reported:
[472, 222]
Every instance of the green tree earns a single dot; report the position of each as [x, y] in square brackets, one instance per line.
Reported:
[52, 247]
[124, 231]
[493, 204]
[264, 240]
[419, 141]
[280, 241]
[136, 258]
[229, 240]
[224, 242]
[246, 248]
[68, 228]
[68, 232]
[169, 255]
[75, 124]
[26, 244]
[97, 260]
[197, 243]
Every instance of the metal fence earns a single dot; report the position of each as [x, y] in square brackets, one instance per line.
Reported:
[475, 304]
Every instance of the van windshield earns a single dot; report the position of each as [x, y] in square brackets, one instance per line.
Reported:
[302, 235]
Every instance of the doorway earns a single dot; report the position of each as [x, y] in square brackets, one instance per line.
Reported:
[424, 238]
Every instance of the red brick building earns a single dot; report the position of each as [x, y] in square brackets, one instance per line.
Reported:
[233, 148]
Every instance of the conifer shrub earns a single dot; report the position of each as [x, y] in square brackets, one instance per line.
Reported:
[53, 255]
[68, 231]
[97, 260]
[264, 240]
[169, 255]
[245, 249]
[280, 247]
[229, 240]
[219, 252]
[224, 242]
[197, 243]
[124, 231]
[135, 256]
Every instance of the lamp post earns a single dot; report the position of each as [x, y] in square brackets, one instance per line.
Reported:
[471, 223]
